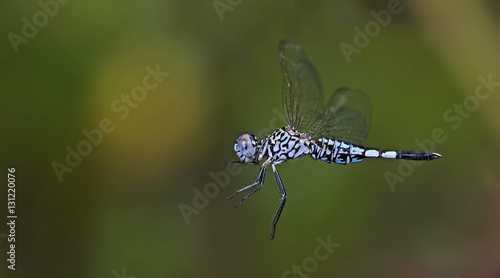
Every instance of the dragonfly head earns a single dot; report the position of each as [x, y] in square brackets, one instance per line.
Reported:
[246, 148]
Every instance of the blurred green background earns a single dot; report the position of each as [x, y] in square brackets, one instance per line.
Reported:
[117, 214]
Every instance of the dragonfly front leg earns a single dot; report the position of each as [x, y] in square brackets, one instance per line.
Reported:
[258, 181]
[282, 201]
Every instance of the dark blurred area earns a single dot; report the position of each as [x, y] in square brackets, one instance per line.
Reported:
[117, 116]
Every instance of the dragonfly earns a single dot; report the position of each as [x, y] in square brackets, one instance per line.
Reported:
[333, 132]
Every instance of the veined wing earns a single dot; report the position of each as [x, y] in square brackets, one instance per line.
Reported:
[302, 95]
[346, 117]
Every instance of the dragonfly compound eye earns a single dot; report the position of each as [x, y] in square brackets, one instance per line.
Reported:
[245, 144]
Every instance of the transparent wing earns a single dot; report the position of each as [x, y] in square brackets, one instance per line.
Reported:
[302, 96]
[346, 117]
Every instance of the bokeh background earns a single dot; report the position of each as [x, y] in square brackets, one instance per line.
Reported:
[117, 213]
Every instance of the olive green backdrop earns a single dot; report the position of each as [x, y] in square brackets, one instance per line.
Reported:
[146, 196]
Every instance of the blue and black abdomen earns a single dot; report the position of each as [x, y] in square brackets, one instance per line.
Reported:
[329, 150]
[337, 151]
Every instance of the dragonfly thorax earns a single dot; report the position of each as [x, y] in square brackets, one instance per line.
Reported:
[284, 144]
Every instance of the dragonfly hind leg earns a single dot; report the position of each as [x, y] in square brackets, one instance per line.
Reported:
[258, 181]
[281, 204]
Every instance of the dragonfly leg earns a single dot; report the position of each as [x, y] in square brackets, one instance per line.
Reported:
[282, 202]
[258, 181]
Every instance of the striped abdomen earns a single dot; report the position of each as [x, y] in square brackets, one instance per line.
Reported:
[341, 152]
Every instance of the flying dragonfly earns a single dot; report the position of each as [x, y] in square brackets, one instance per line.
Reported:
[333, 132]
